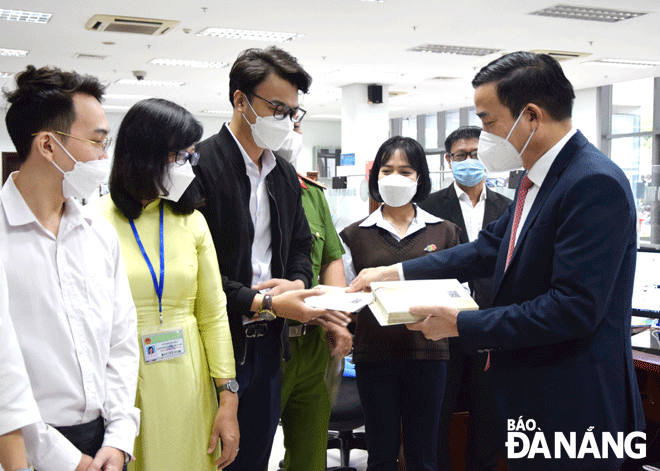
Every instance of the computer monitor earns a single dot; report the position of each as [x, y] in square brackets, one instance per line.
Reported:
[646, 291]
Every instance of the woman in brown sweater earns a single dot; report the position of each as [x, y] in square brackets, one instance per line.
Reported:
[400, 374]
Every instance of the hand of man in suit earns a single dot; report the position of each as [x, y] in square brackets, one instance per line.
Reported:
[362, 281]
[438, 322]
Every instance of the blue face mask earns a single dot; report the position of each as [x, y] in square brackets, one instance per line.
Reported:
[469, 172]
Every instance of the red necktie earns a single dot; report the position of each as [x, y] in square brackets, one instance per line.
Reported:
[525, 185]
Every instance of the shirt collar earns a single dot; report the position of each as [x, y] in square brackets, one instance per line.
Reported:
[19, 213]
[541, 167]
[421, 217]
[463, 195]
[268, 161]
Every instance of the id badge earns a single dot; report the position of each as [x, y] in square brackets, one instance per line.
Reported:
[159, 346]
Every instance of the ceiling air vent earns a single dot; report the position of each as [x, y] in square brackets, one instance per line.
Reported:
[127, 24]
[457, 50]
[573, 12]
[561, 55]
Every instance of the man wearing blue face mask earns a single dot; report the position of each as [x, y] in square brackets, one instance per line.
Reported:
[262, 238]
[470, 205]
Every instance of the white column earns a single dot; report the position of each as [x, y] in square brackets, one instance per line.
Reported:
[364, 127]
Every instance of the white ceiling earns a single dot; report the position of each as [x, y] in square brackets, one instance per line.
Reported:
[344, 42]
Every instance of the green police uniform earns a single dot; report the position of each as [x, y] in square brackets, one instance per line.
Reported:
[305, 401]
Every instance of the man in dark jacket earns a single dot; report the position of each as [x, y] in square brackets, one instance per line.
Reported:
[470, 205]
[254, 211]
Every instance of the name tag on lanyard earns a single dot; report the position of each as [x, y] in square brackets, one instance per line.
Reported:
[159, 346]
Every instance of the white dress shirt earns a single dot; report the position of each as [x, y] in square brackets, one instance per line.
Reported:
[473, 216]
[75, 320]
[419, 222]
[262, 245]
[17, 405]
[537, 174]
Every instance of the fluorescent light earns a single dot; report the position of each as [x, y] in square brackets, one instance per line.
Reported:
[112, 96]
[6, 74]
[456, 50]
[150, 83]
[372, 1]
[604, 15]
[249, 34]
[24, 16]
[116, 107]
[325, 116]
[13, 52]
[189, 63]
[625, 63]
[219, 112]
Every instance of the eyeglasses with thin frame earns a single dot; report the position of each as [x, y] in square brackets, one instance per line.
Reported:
[281, 111]
[184, 156]
[102, 144]
[461, 156]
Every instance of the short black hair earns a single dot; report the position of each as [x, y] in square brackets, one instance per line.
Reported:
[416, 157]
[43, 100]
[525, 77]
[464, 132]
[151, 129]
[254, 65]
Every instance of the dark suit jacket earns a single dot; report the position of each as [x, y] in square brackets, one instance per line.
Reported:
[444, 204]
[560, 320]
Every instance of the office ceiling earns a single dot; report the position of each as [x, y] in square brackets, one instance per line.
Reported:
[343, 42]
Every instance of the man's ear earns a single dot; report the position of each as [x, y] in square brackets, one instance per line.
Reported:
[535, 112]
[239, 100]
[43, 145]
[448, 160]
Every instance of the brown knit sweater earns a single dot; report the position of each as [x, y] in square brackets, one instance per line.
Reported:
[373, 247]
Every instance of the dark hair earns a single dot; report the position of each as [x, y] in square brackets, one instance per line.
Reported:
[416, 157]
[525, 77]
[464, 132]
[150, 130]
[43, 99]
[253, 66]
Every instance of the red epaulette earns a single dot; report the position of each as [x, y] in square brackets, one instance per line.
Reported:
[304, 181]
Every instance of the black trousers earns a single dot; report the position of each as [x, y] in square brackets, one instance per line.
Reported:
[88, 438]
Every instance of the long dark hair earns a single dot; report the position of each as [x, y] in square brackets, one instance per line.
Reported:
[150, 130]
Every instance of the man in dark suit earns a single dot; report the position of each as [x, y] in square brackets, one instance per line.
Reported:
[470, 205]
[563, 261]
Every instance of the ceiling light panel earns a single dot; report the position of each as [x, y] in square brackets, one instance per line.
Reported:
[625, 63]
[604, 15]
[13, 52]
[248, 34]
[116, 107]
[25, 16]
[118, 96]
[189, 63]
[455, 50]
[218, 112]
[150, 83]
[6, 74]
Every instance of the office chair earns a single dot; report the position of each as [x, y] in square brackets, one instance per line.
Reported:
[346, 416]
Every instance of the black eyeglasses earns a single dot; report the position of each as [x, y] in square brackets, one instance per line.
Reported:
[281, 111]
[183, 156]
[461, 156]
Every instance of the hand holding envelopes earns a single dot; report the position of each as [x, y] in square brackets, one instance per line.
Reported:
[393, 299]
[337, 299]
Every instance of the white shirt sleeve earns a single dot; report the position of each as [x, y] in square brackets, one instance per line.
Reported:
[347, 260]
[48, 450]
[17, 405]
[122, 418]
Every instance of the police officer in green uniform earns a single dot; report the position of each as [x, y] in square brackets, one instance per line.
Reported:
[305, 399]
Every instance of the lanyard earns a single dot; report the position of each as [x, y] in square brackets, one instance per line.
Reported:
[157, 286]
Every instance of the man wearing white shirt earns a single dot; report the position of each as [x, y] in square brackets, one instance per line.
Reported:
[69, 297]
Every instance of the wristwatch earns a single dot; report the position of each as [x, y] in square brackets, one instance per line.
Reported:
[231, 386]
[266, 312]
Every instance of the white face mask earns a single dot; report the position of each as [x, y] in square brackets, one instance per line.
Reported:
[177, 179]
[397, 190]
[268, 132]
[85, 178]
[498, 154]
[291, 147]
